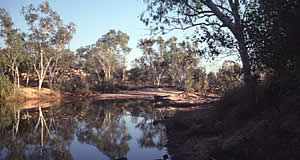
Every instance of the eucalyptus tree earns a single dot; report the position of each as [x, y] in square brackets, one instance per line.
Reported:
[212, 82]
[14, 41]
[62, 37]
[27, 65]
[274, 37]
[116, 43]
[218, 23]
[140, 72]
[200, 80]
[45, 28]
[156, 56]
[66, 63]
[228, 76]
[183, 62]
[3, 68]
[105, 56]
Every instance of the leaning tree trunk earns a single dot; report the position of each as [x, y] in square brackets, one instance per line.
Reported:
[250, 83]
[237, 29]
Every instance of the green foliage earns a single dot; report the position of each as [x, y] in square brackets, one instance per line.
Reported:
[13, 53]
[6, 115]
[77, 85]
[168, 60]
[229, 76]
[48, 36]
[216, 24]
[188, 86]
[6, 88]
[105, 60]
[200, 80]
[139, 74]
[274, 37]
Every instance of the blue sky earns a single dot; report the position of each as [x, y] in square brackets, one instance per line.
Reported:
[94, 18]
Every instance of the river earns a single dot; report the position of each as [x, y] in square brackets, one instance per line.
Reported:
[105, 130]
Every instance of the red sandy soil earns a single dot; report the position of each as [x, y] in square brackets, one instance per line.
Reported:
[31, 98]
[173, 96]
[145, 93]
[179, 99]
[26, 94]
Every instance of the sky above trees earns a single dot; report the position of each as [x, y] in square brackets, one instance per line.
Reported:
[93, 18]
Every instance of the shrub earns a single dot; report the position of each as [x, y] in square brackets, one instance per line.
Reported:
[188, 86]
[6, 115]
[6, 88]
[77, 86]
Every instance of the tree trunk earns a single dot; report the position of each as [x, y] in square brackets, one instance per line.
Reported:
[158, 81]
[98, 76]
[123, 74]
[124, 70]
[50, 82]
[51, 77]
[153, 75]
[250, 83]
[158, 78]
[27, 79]
[18, 77]
[40, 83]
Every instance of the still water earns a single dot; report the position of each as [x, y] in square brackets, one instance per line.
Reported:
[103, 130]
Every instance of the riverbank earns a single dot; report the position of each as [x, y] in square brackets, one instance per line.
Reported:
[174, 98]
[144, 93]
[231, 131]
[204, 128]
[24, 94]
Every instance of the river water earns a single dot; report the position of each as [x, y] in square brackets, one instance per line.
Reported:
[103, 130]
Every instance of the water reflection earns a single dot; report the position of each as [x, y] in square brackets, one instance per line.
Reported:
[85, 130]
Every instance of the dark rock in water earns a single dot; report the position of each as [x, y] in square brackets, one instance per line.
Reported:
[166, 157]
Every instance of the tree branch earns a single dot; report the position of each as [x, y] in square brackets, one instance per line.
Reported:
[226, 9]
[198, 24]
[225, 19]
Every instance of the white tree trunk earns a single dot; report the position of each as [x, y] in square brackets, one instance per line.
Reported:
[27, 79]
[40, 83]
[18, 77]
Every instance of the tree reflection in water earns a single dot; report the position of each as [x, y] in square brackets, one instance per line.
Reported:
[48, 133]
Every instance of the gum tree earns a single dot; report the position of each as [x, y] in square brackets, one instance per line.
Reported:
[106, 56]
[13, 53]
[44, 27]
[155, 56]
[62, 37]
[217, 23]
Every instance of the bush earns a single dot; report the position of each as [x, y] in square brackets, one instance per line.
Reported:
[6, 115]
[6, 88]
[188, 86]
[77, 86]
